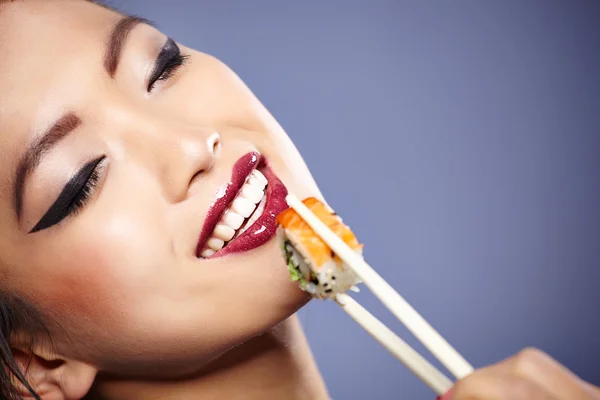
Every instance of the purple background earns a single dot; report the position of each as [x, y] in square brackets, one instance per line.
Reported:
[460, 140]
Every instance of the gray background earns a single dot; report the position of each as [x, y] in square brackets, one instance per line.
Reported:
[460, 140]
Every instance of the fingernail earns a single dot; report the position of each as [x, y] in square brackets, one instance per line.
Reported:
[447, 396]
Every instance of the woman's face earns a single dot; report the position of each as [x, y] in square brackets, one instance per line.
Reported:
[111, 157]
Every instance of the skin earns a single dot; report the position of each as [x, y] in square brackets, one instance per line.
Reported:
[131, 311]
[529, 375]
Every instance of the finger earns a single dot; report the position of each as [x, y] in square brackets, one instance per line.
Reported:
[547, 373]
[490, 385]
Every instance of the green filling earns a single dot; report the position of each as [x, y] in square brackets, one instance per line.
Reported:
[295, 273]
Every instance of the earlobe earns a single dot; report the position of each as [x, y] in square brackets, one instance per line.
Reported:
[74, 379]
[54, 378]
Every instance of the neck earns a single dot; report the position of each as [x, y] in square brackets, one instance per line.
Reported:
[275, 365]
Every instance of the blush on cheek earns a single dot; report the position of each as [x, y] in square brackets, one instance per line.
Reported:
[86, 291]
[84, 286]
[104, 274]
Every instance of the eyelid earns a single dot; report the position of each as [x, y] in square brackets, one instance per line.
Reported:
[169, 76]
[169, 60]
[159, 62]
[71, 202]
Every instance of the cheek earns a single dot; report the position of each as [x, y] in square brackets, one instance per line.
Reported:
[88, 291]
[107, 268]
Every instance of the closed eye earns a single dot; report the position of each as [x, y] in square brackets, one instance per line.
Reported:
[167, 63]
[74, 196]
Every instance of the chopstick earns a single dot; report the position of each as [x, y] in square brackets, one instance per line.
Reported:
[419, 327]
[419, 366]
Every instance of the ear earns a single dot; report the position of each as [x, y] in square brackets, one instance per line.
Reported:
[52, 377]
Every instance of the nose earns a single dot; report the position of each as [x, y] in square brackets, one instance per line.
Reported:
[200, 154]
[175, 156]
[184, 158]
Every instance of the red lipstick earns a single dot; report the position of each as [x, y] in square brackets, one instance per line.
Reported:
[264, 228]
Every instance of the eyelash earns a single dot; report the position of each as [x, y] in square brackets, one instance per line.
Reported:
[172, 65]
[86, 191]
[67, 204]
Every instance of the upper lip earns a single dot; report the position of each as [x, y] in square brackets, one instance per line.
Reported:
[226, 194]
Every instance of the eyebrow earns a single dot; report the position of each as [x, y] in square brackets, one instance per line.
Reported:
[117, 39]
[37, 150]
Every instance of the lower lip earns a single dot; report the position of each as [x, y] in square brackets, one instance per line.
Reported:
[265, 227]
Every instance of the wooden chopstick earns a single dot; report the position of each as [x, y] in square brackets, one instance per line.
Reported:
[418, 365]
[422, 330]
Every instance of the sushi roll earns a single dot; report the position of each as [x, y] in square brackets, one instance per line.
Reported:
[309, 259]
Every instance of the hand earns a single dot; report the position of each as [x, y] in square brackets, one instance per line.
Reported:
[529, 375]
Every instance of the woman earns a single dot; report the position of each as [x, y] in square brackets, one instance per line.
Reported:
[120, 148]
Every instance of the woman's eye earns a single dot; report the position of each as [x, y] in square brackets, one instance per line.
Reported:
[74, 195]
[168, 61]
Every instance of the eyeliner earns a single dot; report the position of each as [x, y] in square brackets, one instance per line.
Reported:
[72, 192]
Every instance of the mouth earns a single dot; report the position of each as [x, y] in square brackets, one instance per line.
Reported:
[243, 213]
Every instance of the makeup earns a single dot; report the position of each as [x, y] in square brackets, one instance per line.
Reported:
[243, 212]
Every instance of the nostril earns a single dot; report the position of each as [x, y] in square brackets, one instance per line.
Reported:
[196, 176]
[214, 142]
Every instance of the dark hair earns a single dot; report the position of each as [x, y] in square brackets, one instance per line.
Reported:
[16, 315]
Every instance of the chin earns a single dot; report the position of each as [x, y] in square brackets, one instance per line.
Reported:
[254, 295]
[268, 302]
[265, 289]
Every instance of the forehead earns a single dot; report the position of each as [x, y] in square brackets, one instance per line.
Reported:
[48, 48]
[42, 33]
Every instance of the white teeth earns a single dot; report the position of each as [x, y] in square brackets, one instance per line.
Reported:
[257, 179]
[255, 215]
[233, 219]
[215, 244]
[259, 175]
[256, 183]
[252, 193]
[245, 209]
[207, 253]
[224, 232]
[243, 206]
